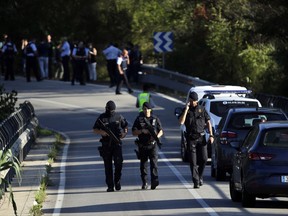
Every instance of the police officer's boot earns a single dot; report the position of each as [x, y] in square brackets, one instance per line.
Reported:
[144, 185]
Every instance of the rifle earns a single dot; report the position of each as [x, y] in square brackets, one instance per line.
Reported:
[152, 132]
[109, 132]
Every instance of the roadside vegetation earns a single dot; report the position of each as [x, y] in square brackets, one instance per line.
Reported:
[241, 42]
[55, 147]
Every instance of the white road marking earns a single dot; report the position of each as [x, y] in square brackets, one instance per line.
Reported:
[61, 189]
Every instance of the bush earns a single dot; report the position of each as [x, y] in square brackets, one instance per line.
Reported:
[7, 102]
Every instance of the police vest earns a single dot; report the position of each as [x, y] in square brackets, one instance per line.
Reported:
[9, 52]
[80, 52]
[124, 63]
[196, 120]
[28, 49]
[142, 98]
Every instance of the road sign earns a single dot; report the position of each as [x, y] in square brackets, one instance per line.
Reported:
[163, 41]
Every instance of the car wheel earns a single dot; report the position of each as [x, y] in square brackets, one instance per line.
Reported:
[220, 174]
[184, 151]
[248, 200]
[235, 195]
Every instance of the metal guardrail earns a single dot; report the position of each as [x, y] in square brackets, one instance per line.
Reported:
[18, 132]
[169, 79]
[177, 82]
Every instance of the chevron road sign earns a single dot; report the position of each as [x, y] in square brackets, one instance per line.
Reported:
[163, 41]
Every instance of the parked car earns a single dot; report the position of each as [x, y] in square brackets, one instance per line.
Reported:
[216, 103]
[260, 164]
[234, 127]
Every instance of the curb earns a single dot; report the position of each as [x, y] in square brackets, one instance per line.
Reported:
[32, 170]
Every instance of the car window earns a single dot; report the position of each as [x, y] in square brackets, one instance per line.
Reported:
[247, 120]
[276, 138]
[250, 138]
[219, 108]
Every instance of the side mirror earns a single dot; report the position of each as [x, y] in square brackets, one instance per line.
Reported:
[178, 111]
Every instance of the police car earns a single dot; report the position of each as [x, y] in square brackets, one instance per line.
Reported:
[217, 100]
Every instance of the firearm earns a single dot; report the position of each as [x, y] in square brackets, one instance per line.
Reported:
[152, 132]
[109, 132]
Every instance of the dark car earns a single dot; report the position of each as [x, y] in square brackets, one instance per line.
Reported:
[233, 127]
[260, 166]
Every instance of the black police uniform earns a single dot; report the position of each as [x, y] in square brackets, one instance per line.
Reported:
[148, 148]
[195, 124]
[111, 150]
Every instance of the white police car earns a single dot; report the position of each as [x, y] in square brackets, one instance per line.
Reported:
[217, 100]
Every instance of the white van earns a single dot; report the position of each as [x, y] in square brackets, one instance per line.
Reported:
[218, 89]
[217, 100]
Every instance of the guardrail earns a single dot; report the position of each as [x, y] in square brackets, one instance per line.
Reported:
[169, 79]
[180, 83]
[18, 132]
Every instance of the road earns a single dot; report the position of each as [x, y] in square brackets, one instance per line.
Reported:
[78, 176]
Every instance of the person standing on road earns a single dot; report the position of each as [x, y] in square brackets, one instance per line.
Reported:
[9, 51]
[143, 97]
[111, 54]
[147, 145]
[111, 149]
[31, 54]
[122, 64]
[196, 118]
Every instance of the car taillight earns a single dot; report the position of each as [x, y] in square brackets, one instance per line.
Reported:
[260, 156]
[228, 134]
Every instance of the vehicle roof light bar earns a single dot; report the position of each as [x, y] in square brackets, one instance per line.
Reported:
[227, 91]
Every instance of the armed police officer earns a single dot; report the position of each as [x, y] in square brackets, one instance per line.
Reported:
[148, 128]
[196, 119]
[112, 127]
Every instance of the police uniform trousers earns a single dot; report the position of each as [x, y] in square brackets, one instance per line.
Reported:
[112, 153]
[32, 64]
[198, 157]
[112, 71]
[148, 152]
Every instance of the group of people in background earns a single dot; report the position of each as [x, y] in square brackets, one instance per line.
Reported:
[46, 59]
[49, 60]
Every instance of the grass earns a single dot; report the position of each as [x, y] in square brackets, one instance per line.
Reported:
[40, 195]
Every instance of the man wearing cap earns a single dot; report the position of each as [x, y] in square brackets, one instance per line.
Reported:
[111, 150]
[196, 119]
[147, 145]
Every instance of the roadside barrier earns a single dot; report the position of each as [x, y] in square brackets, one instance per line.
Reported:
[180, 83]
[18, 133]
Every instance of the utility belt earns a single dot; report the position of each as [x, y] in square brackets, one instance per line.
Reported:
[196, 136]
[145, 145]
[107, 141]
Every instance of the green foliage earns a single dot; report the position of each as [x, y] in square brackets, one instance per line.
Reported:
[213, 40]
[8, 161]
[7, 102]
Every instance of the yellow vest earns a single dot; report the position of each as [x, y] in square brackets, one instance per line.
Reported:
[142, 98]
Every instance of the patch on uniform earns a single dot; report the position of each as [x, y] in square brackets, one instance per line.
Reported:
[200, 110]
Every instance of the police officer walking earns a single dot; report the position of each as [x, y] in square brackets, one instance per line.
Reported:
[112, 127]
[147, 144]
[196, 118]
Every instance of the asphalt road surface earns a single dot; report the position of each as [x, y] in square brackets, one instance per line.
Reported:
[78, 175]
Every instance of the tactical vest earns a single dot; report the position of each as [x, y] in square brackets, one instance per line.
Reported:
[124, 64]
[80, 52]
[29, 49]
[9, 52]
[196, 121]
